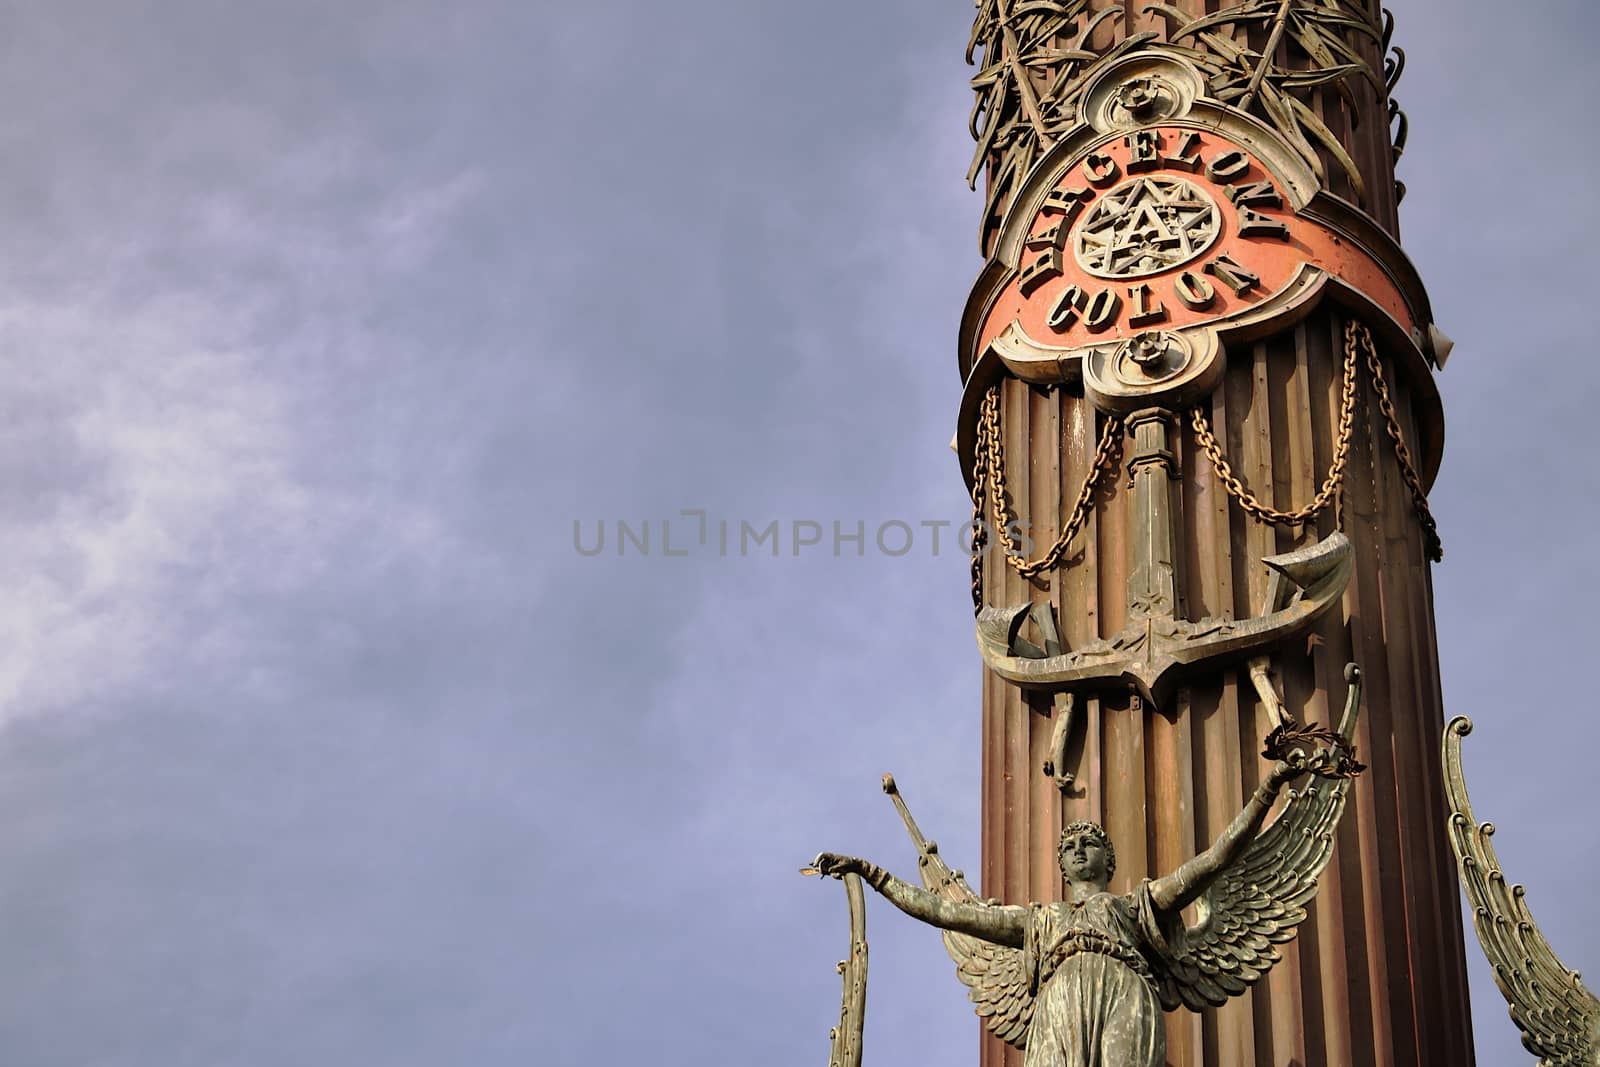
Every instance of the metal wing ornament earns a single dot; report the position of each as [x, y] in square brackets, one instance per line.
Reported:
[1558, 1017]
[1256, 905]
[997, 977]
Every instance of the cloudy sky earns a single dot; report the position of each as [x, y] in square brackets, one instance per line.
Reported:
[323, 324]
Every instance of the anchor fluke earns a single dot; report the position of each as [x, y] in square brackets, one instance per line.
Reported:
[1309, 565]
[1153, 649]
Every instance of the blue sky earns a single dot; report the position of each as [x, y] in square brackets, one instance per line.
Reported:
[320, 742]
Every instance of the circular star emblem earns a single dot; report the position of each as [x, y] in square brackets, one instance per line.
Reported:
[1146, 226]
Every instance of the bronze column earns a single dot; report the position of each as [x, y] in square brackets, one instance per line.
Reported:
[1191, 208]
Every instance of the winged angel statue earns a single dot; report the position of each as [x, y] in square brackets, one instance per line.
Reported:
[1083, 982]
[1558, 1017]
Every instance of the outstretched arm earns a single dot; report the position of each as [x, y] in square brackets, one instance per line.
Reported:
[996, 923]
[1183, 886]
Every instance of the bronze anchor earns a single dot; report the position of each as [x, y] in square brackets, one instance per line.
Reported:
[1158, 645]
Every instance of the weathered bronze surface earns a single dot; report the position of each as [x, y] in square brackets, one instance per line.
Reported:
[846, 1037]
[1156, 644]
[1084, 981]
[1558, 1017]
[1146, 226]
[1236, 73]
[1307, 67]
[1294, 352]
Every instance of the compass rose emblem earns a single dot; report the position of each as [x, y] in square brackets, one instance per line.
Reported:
[1147, 226]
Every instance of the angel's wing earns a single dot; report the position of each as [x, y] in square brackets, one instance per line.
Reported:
[1257, 904]
[1558, 1017]
[996, 977]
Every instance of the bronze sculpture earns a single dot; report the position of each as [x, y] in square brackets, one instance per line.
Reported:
[1084, 982]
[1558, 1017]
[1195, 347]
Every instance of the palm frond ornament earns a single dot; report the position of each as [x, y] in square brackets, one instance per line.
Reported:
[1327, 35]
[1034, 58]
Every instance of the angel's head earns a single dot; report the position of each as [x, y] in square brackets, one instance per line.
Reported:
[1085, 853]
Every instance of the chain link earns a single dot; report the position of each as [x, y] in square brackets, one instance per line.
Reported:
[1391, 423]
[979, 542]
[980, 539]
[990, 481]
[1356, 340]
[1248, 501]
[989, 492]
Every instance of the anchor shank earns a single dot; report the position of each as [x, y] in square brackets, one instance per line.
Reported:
[1152, 572]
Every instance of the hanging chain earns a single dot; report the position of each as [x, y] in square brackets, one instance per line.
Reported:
[979, 542]
[989, 481]
[980, 537]
[1408, 468]
[1356, 339]
[989, 472]
[1248, 501]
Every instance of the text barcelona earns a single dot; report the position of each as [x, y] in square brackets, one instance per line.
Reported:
[1162, 227]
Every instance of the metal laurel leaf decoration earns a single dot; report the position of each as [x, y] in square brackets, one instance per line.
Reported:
[1558, 1017]
[1393, 67]
[1034, 55]
[1034, 59]
[1285, 738]
[1322, 30]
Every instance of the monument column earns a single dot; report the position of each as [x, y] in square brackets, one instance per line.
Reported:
[1196, 346]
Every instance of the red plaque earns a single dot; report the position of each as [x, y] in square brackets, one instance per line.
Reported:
[1167, 228]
